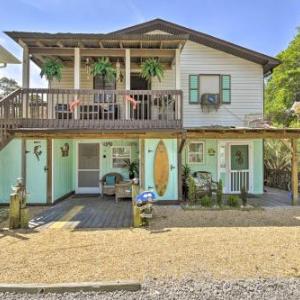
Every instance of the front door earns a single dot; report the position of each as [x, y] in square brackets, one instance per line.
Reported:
[36, 171]
[239, 168]
[161, 172]
[88, 168]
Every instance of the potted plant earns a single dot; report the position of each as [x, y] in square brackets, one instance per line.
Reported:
[51, 69]
[104, 68]
[186, 171]
[152, 68]
[133, 168]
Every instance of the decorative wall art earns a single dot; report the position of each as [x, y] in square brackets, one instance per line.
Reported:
[65, 150]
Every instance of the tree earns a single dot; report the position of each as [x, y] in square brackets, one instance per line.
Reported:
[283, 86]
[7, 86]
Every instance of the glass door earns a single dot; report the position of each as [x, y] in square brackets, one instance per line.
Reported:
[88, 168]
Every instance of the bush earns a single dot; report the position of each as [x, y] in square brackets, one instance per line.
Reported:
[233, 201]
[220, 193]
[243, 196]
[192, 190]
[206, 201]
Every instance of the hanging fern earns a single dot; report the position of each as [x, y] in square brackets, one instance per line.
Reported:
[52, 69]
[152, 68]
[104, 68]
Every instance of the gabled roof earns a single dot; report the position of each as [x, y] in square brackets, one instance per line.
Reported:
[268, 62]
[7, 58]
[129, 34]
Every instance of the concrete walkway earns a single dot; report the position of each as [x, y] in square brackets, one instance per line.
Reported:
[86, 212]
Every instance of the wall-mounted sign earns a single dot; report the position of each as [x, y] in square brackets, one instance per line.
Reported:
[211, 152]
[65, 150]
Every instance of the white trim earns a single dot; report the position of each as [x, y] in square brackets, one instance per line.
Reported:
[250, 148]
[112, 158]
[86, 190]
[52, 170]
[203, 153]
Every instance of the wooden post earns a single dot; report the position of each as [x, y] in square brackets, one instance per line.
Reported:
[137, 221]
[127, 81]
[142, 164]
[179, 164]
[14, 211]
[25, 78]
[177, 80]
[25, 67]
[49, 171]
[76, 77]
[294, 172]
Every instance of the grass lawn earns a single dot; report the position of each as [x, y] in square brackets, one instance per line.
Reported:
[178, 243]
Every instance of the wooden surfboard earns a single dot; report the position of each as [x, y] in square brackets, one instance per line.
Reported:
[161, 168]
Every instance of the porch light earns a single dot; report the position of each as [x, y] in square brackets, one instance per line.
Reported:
[88, 68]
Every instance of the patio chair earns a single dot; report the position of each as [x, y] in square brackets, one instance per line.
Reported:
[123, 190]
[108, 183]
[204, 183]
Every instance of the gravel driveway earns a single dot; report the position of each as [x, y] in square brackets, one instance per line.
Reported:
[191, 289]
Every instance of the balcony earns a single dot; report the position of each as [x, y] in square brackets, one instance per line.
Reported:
[91, 109]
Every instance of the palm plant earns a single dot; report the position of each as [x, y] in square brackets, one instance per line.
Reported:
[105, 69]
[52, 69]
[152, 68]
[133, 168]
[277, 155]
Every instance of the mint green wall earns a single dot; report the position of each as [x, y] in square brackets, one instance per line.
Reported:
[10, 168]
[210, 163]
[36, 175]
[62, 169]
[258, 169]
[150, 147]
[106, 162]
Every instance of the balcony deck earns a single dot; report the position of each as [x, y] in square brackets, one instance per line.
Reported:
[90, 109]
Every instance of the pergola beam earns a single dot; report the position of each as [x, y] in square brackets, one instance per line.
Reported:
[113, 52]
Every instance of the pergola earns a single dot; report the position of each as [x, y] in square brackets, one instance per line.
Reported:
[72, 49]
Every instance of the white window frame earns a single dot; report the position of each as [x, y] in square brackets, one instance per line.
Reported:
[112, 155]
[203, 153]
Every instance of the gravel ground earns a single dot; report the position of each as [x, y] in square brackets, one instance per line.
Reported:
[190, 289]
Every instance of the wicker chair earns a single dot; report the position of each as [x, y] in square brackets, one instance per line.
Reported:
[204, 183]
[123, 190]
[109, 189]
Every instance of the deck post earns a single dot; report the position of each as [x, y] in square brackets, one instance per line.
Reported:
[177, 80]
[76, 78]
[25, 78]
[127, 80]
[294, 172]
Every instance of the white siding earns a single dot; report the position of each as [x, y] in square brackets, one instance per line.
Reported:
[246, 86]
[167, 83]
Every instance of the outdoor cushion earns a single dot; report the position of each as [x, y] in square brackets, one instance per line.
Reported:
[110, 180]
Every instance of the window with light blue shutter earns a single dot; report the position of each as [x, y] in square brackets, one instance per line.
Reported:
[226, 89]
[193, 89]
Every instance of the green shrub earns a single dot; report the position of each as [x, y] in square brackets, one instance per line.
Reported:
[243, 196]
[233, 201]
[192, 190]
[219, 194]
[206, 201]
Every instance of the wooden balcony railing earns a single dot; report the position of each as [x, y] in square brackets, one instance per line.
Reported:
[91, 109]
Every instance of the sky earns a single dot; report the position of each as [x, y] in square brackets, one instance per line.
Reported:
[266, 26]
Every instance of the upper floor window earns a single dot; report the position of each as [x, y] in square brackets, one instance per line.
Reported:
[196, 153]
[201, 84]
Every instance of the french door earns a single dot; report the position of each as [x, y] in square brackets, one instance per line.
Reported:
[88, 168]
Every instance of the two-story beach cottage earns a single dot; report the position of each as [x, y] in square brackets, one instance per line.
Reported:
[66, 138]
